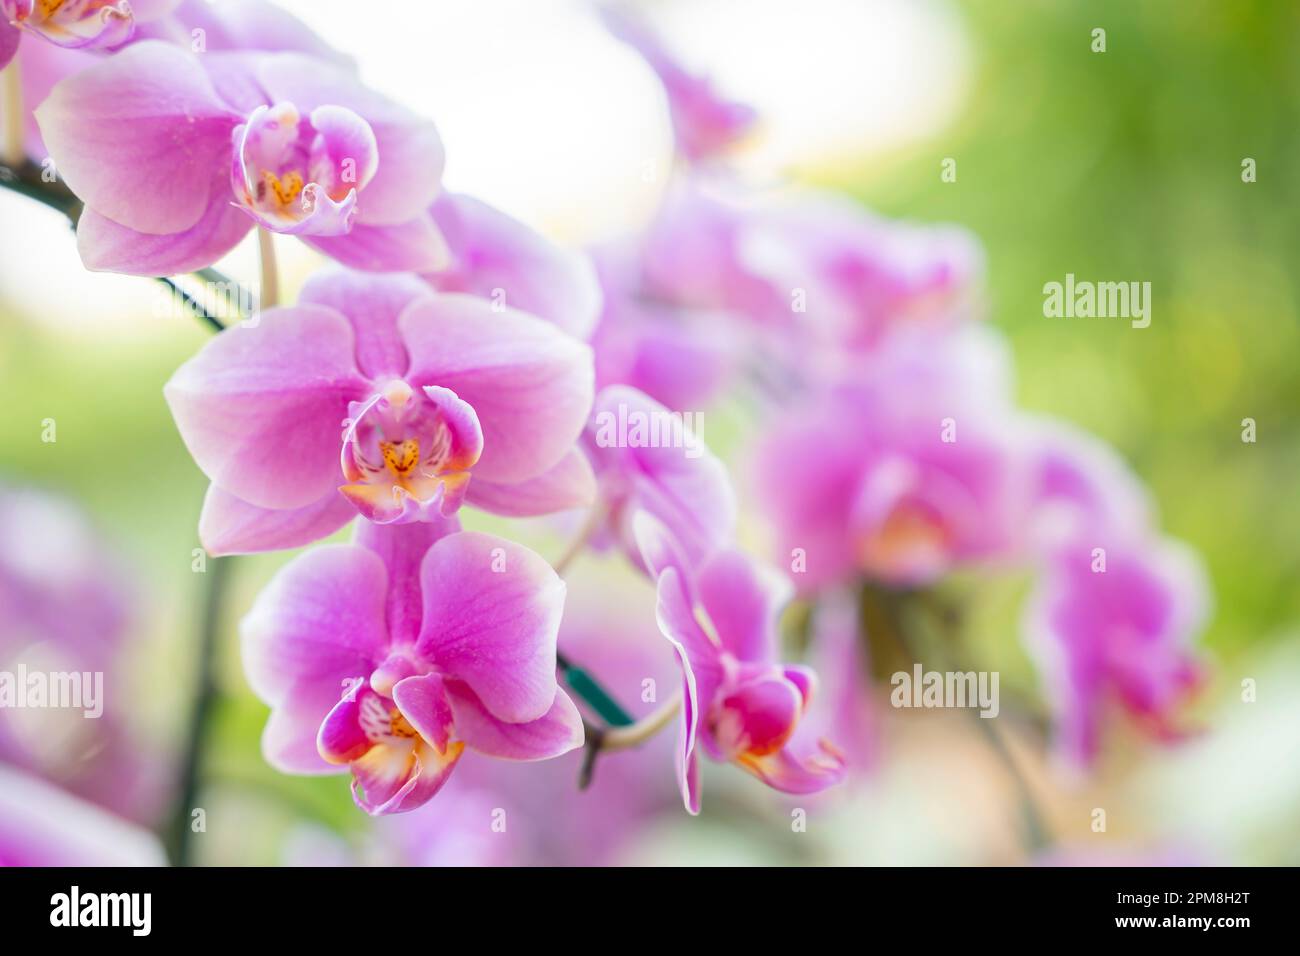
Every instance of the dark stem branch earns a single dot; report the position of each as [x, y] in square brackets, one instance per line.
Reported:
[180, 832]
[599, 700]
[30, 180]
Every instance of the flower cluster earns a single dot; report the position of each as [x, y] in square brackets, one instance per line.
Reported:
[452, 359]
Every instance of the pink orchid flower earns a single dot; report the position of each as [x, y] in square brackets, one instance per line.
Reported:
[40, 825]
[69, 605]
[739, 704]
[692, 255]
[681, 483]
[75, 24]
[391, 655]
[1116, 625]
[862, 277]
[377, 395]
[177, 156]
[40, 67]
[705, 124]
[680, 357]
[499, 258]
[1080, 485]
[456, 832]
[902, 474]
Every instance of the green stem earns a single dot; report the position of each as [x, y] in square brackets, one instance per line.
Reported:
[592, 694]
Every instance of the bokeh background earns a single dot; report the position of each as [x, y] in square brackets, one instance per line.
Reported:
[1122, 165]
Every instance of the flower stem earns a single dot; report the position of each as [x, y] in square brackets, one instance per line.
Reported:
[592, 693]
[633, 735]
[181, 830]
[24, 177]
[269, 295]
[27, 179]
[590, 525]
[194, 304]
[13, 111]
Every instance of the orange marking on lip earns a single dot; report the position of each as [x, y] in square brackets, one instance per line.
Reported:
[401, 457]
[286, 190]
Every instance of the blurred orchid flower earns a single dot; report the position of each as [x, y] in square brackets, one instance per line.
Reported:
[861, 277]
[674, 478]
[691, 255]
[1113, 617]
[455, 832]
[177, 156]
[67, 606]
[1080, 486]
[840, 656]
[902, 474]
[706, 125]
[739, 704]
[496, 257]
[680, 357]
[40, 825]
[390, 655]
[377, 395]
[1116, 607]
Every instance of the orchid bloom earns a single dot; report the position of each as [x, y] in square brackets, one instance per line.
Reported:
[67, 604]
[389, 656]
[862, 277]
[1116, 607]
[900, 475]
[1114, 619]
[739, 704]
[680, 357]
[499, 258]
[676, 479]
[1080, 486]
[693, 256]
[40, 825]
[705, 124]
[75, 24]
[177, 156]
[377, 395]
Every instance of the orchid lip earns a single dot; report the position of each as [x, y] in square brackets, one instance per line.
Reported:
[302, 175]
[74, 23]
[395, 667]
[406, 453]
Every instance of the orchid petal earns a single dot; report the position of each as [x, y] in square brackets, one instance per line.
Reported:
[261, 408]
[530, 384]
[139, 135]
[569, 484]
[230, 525]
[491, 613]
[556, 732]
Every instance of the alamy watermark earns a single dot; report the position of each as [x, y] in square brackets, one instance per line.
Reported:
[1104, 300]
[51, 690]
[627, 427]
[133, 911]
[921, 688]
